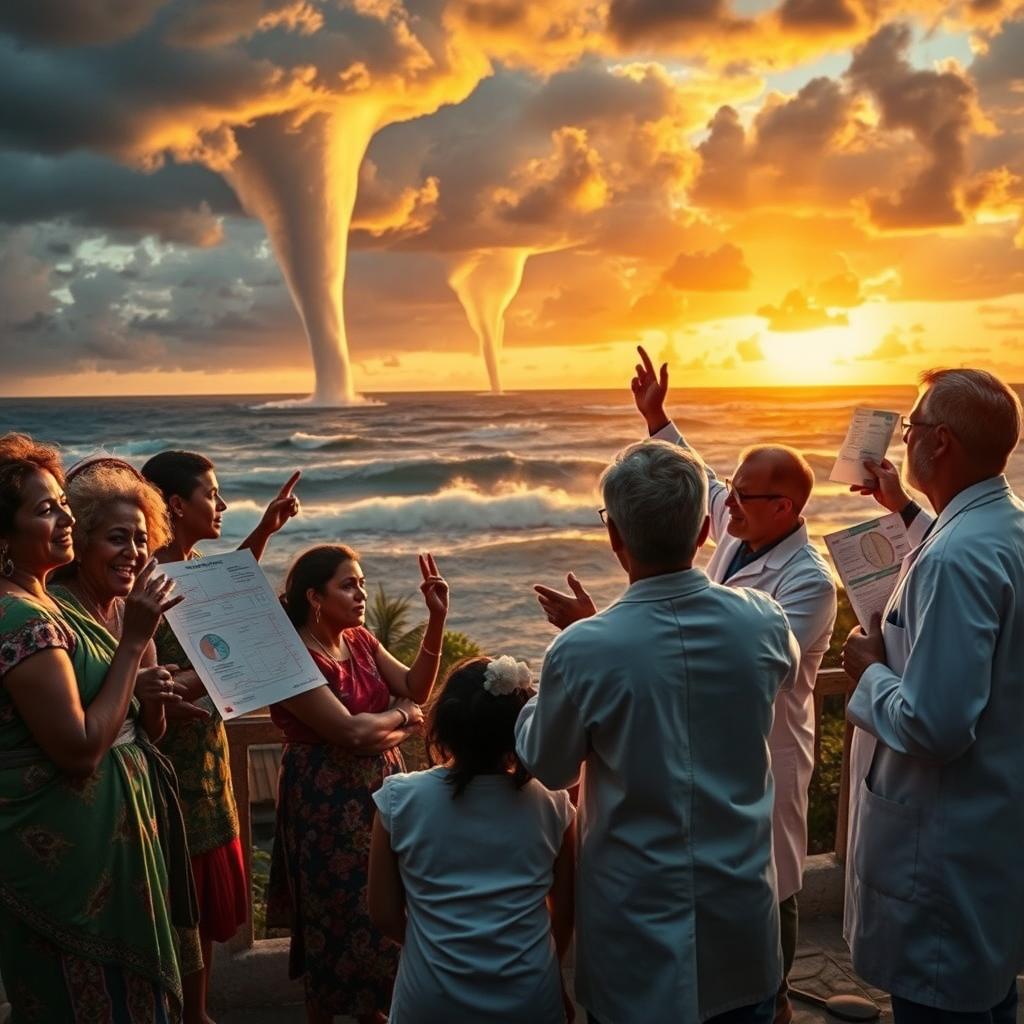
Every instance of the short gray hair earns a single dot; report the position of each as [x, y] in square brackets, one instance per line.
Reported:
[981, 410]
[657, 495]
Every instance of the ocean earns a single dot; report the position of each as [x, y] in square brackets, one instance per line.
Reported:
[502, 489]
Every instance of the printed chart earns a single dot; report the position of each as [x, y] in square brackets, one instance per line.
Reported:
[237, 635]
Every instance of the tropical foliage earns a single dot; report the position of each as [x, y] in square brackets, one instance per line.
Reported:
[824, 790]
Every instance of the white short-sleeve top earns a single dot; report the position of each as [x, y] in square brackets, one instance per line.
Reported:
[476, 869]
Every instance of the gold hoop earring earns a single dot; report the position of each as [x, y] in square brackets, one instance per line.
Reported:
[6, 562]
[316, 614]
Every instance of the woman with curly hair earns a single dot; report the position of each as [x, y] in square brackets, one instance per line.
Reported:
[472, 864]
[88, 883]
[119, 519]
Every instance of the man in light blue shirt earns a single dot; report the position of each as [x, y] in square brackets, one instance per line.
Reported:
[935, 900]
[665, 699]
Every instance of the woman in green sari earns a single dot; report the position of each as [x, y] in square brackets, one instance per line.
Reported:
[199, 749]
[87, 903]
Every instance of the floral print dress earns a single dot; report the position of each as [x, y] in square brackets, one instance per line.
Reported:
[85, 919]
[321, 853]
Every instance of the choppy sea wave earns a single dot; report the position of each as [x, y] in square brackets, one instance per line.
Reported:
[423, 474]
[454, 510]
[314, 442]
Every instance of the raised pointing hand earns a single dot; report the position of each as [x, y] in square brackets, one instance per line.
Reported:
[283, 507]
[650, 390]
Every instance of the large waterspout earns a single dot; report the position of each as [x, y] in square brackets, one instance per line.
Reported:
[486, 281]
[299, 177]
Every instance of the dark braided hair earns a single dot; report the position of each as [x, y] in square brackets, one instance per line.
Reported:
[473, 727]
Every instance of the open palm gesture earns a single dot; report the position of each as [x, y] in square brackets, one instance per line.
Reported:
[434, 587]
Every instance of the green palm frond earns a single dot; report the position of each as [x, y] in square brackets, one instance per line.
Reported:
[387, 618]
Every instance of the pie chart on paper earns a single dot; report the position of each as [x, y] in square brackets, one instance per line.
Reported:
[214, 648]
[877, 550]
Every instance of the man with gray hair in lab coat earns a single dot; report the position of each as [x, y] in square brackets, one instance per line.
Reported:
[665, 700]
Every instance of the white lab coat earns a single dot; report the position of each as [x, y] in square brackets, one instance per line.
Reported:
[799, 578]
[666, 697]
[935, 897]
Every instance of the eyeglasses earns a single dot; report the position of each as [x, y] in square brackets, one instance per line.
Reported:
[742, 496]
[906, 423]
[603, 513]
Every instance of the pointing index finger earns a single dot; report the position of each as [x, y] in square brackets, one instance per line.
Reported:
[286, 491]
[648, 365]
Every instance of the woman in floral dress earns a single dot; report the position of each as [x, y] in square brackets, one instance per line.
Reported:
[341, 743]
[88, 890]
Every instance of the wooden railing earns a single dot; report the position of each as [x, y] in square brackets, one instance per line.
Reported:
[244, 732]
[257, 730]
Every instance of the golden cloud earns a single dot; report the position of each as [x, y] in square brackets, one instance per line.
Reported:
[722, 270]
[798, 313]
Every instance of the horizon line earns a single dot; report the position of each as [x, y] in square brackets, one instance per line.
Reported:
[479, 392]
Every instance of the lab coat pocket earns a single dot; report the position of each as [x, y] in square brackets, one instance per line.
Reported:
[897, 642]
[885, 855]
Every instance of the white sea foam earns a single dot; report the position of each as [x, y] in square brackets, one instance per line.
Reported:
[502, 431]
[452, 511]
[311, 442]
[625, 409]
[128, 450]
[434, 469]
[298, 404]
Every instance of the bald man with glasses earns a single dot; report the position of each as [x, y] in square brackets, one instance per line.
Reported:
[761, 542]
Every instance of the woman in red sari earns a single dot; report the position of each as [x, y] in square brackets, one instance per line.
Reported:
[341, 743]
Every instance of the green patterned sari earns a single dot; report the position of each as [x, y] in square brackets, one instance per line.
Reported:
[85, 921]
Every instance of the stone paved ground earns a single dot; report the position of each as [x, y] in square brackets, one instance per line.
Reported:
[822, 968]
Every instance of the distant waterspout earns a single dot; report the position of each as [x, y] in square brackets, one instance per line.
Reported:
[486, 281]
[299, 177]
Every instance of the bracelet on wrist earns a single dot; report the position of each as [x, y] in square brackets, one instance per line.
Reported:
[405, 717]
[432, 654]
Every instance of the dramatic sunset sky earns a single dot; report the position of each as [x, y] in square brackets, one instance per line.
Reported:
[794, 192]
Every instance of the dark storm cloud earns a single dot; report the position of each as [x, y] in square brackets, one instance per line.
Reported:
[177, 203]
[75, 22]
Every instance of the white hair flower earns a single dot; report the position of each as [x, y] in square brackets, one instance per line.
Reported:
[506, 675]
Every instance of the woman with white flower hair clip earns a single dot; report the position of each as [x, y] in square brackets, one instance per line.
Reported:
[472, 864]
